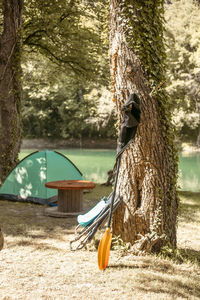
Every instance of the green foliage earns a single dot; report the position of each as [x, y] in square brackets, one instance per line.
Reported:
[65, 64]
[67, 34]
[57, 116]
[73, 36]
[179, 255]
[57, 106]
[106, 117]
[170, 252]
[183, 72]
[143, 22]
[119, 244]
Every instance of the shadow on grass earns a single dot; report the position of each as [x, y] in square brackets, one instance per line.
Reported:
[190, 255]
[172, 286]
[189, 206]
[162, 276]
[158, 265]
[188, 195]
[37, 246]
[28, 220]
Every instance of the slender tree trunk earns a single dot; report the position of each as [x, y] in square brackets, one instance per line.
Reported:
[10, 86]
[198, 140]
[198, 111]
[198, 136]
[148, 172]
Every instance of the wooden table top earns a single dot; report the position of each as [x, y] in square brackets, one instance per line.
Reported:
[70, 185]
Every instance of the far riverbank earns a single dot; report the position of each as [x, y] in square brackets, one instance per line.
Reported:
[86, 144]
[69, 144]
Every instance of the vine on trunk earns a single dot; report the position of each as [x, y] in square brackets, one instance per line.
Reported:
[142, 22]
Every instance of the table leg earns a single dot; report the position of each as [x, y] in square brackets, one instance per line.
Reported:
[70, 200]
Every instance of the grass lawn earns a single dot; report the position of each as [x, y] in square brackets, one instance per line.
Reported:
[36, 262]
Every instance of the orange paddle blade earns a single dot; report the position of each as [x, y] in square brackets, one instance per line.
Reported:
[104, 250]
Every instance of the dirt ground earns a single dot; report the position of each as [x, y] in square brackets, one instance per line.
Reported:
[36, 262]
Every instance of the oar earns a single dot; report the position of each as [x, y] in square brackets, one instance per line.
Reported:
[104, 246]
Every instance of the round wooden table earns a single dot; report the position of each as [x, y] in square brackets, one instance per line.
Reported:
[70, 196]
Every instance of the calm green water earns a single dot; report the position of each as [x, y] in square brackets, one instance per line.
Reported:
[94, 164]
[189, 171]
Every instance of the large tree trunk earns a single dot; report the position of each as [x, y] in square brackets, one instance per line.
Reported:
[10, 86]
[148, 172]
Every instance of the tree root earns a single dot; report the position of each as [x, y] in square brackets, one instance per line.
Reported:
[148, 244]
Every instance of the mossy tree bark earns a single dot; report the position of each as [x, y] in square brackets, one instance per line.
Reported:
[10, 86]
[148, 172]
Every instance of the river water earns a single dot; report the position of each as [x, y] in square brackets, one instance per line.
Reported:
[94, 164]
[189, 171]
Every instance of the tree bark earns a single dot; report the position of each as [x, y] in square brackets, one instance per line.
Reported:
[10, 86]
[198, 135]
[148, 172]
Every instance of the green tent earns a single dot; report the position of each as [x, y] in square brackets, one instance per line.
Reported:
[26, 182]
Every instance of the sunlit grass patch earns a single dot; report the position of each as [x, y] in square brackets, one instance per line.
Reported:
[36, 262]
[189, 224]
